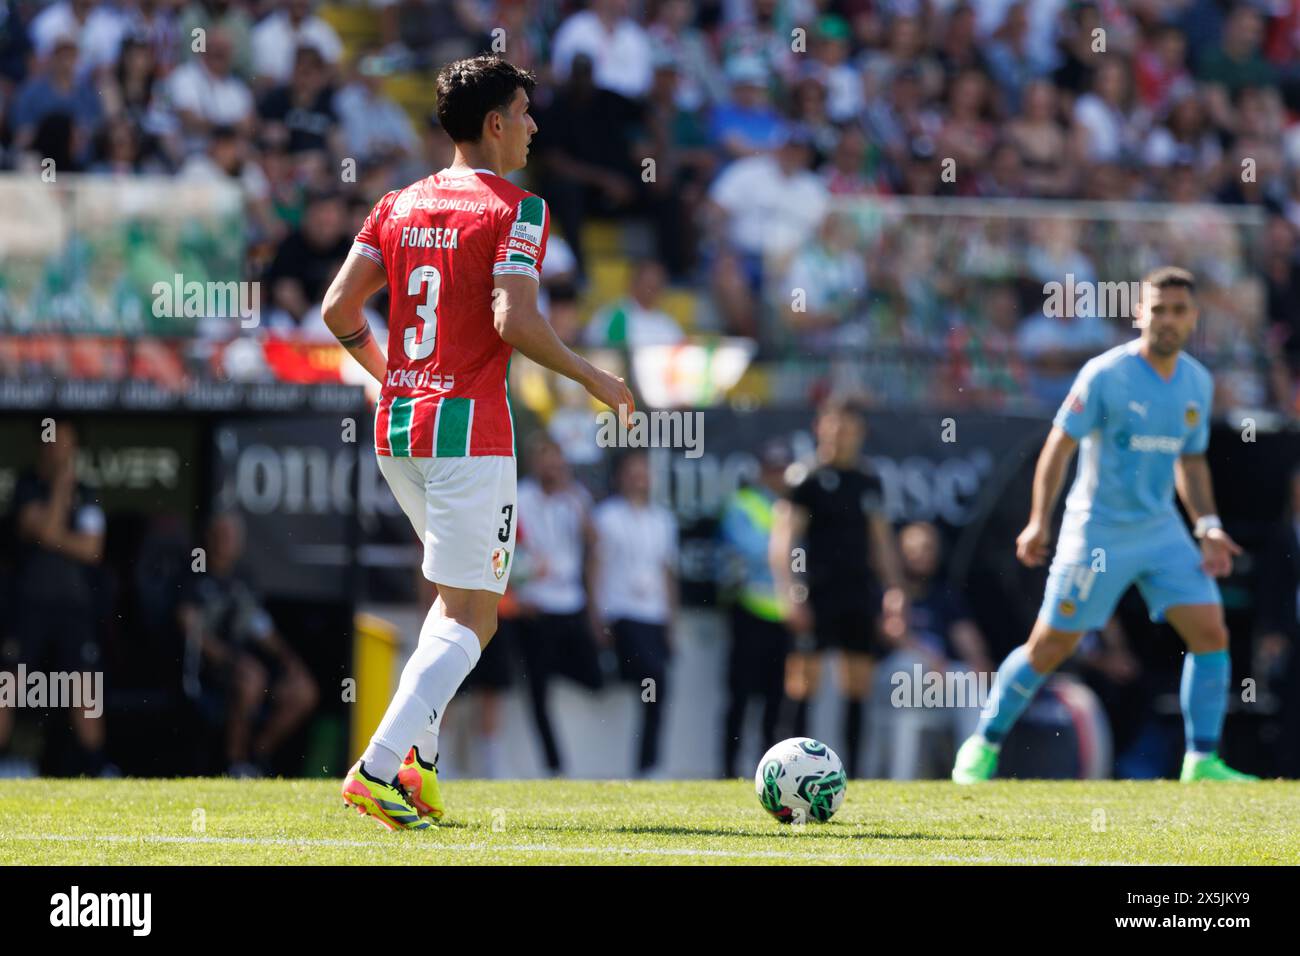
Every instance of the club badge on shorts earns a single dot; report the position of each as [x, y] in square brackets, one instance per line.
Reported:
[500, 561]
[1066, 607]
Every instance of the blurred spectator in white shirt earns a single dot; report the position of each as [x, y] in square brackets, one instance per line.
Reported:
[375, 129]
[771, 204]
[636, 319]
[277, 38]
[1104, 127]
[205, 93]
[96, 28]
[636, 591]
[555, 561]
[618, 47]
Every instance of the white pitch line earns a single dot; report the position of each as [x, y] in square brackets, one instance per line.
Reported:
[544, 848]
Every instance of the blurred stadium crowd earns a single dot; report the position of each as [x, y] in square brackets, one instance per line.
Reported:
[698, 158]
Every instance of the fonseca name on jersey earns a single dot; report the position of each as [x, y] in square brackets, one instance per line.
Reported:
[430, 237]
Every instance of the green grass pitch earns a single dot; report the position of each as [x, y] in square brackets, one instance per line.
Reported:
[210, 821]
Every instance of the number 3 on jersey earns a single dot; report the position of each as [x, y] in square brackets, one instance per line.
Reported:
[418, 341]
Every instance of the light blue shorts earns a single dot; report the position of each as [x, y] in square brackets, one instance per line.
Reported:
[1095, 564]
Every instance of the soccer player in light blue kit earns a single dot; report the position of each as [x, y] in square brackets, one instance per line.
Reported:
[1139, 415]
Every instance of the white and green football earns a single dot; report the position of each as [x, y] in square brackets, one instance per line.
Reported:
[800, 780]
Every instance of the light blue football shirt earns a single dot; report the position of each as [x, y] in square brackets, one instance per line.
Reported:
[1131, 426]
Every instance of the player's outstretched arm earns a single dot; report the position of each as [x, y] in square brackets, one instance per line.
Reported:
[1196, 489]
[358, 280]
[521, 325]
[1049, 474]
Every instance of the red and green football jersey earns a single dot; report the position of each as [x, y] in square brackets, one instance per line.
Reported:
[441, 241]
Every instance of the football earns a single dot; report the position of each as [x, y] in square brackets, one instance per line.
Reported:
[799, 780]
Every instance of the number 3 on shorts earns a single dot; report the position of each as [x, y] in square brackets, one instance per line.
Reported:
[507, 515]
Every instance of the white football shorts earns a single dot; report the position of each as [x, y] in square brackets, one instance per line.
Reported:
[463, 509]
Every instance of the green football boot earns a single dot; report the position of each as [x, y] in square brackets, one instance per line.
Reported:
[977, 761]
[1211, 767]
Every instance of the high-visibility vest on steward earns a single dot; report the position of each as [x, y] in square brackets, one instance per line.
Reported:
[746, 530]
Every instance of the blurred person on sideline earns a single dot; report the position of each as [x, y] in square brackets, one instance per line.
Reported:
[760, 641]
[831, 523]
[637, 592]
[59, 531]
[556, 545]
[233, 651]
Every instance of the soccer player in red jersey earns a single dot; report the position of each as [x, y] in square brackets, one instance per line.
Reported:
[460, 252]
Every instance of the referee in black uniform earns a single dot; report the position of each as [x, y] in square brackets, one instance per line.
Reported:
[831, 525]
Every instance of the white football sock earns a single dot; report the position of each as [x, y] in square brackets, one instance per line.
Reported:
[446, 654]
[380, 762]
[426, 745]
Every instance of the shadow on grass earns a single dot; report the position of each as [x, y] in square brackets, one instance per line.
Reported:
[830, 832]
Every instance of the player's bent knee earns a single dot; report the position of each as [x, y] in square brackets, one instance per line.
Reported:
[1049, 648]
[1202, 627]
[303, 692]
[1211, 638]
[476, 610]
[249, 679]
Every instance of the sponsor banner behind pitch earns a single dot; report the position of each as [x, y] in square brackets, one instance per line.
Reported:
[933, 467]
[321, 521]
[295, 479]
[125, 467]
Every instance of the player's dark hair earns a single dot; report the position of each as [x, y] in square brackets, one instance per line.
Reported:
[470, 89]
[1170, 277]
